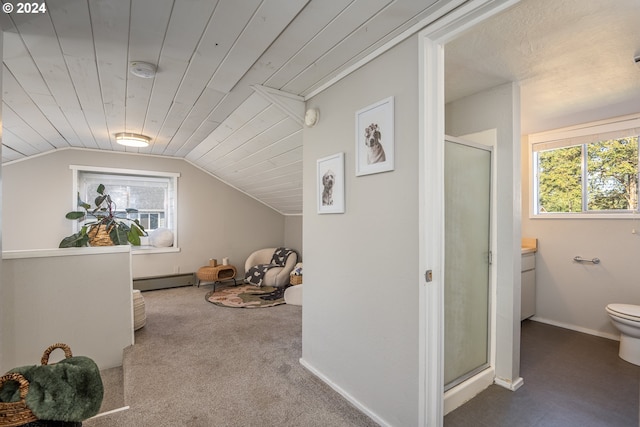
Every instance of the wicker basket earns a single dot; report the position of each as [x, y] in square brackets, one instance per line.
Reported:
[296, 280]
[45, 356]
[139, 312]
[15, 414]
[99, 236]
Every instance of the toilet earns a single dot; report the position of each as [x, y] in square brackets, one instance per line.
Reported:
[626, 317]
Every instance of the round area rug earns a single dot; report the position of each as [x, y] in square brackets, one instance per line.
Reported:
[247, 296]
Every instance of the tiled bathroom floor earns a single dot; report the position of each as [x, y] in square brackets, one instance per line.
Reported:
[570, 379]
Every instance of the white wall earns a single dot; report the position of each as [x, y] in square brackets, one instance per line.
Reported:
[575, 295]
[214, 220]
[81, 297]
[293, 233]
[360, 317]
[499, 109]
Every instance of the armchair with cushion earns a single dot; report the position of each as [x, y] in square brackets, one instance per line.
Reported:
[275, 275]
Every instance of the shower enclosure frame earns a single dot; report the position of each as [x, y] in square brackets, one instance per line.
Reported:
[490, 291]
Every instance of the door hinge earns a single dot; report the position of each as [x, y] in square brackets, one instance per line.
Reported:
[490, 257]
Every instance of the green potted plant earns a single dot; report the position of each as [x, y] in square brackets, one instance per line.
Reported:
[108, 227]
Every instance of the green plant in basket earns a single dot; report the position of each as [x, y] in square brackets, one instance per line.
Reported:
[108, 226]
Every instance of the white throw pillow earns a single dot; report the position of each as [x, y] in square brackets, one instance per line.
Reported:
[161, 238]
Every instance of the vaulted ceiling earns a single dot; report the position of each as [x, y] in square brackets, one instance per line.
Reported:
[66, 81]
[232, 76]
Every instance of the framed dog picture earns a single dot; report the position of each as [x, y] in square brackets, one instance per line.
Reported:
[331, 184]
[374, 138]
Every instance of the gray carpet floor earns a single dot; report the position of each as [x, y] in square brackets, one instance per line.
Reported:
[197, 364]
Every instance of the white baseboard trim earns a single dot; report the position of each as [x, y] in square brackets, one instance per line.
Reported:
[467, 390]
[510, 385]
[344, 394]
[113, 411]
[576, 328]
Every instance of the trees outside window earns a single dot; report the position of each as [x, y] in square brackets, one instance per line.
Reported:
[612, 182]
[559, 180]
[600, 176]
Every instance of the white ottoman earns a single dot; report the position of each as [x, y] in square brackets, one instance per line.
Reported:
[139, 312]
[293, 295]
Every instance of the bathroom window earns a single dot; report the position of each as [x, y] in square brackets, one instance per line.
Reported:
[587, 170]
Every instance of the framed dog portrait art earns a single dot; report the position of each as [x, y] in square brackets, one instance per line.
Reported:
[374, 138]
[331, 184]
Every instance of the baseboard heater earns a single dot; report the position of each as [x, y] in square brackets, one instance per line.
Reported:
[163, 282]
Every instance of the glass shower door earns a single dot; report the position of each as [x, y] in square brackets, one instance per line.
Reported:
[467, 258]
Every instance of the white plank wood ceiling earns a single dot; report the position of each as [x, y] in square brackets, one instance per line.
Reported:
[229, 91]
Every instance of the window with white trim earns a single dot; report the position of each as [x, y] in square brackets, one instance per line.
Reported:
[153, 194]
[586, 170]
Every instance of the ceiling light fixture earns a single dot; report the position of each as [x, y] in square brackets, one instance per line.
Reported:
[132, 139]
[142, 69]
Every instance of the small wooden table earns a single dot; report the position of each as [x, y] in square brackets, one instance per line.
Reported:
[216, 274]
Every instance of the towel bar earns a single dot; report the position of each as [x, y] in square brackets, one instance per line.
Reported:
[578, 258]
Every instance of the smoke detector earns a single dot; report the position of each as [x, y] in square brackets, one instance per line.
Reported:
[142, 69]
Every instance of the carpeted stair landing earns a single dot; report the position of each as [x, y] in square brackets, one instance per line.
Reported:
[113, 382]
[196, 364]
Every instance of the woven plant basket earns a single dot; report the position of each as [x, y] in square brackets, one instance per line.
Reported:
[99, 236]
[13, 414]
[295, 279]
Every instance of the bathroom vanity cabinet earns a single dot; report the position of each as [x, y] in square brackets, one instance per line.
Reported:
[528, 279]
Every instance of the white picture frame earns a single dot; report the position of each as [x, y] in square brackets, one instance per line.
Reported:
[331, 184]
[375, 145]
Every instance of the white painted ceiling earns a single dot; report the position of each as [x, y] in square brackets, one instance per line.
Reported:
[572, 58]
[232, 75]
